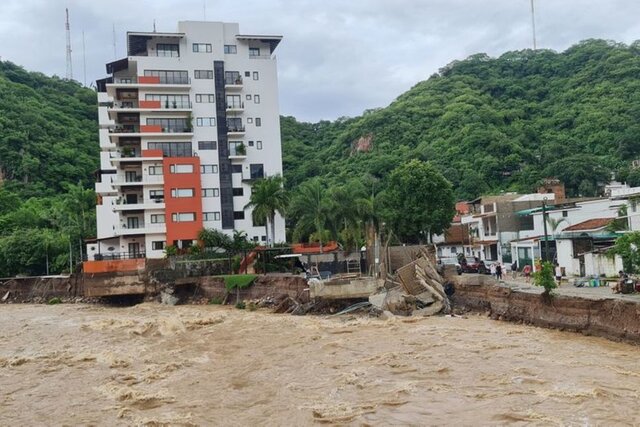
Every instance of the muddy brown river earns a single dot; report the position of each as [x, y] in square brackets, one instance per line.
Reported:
[210, 365]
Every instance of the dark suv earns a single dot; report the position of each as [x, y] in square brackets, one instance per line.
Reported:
[473, 265]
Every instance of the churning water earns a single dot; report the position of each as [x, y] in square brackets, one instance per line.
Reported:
[211, 365]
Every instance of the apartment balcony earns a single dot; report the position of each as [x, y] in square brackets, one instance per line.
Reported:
[259, 56]
[235, 131]
[106, 144]
[235, 107]
[149, 82]
[120, 205]
[141, 228]
[233, 84]
[135, 106]
[150, 131]
[118, 157]
[139, 180]
[237, 152]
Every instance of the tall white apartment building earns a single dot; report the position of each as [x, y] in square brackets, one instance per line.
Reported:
[188, 120]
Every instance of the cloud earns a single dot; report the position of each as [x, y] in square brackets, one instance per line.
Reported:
[338, 58]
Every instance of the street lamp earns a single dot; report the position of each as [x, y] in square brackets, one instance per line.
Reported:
[544, 224]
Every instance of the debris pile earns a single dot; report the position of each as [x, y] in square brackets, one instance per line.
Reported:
[416, 289]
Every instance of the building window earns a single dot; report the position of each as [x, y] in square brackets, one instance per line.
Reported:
[232, 78]
[178, 193]
[248, 97]
[207, 145]
[205, 121]
[157, 219]
[238, 192]
[169, 76]
[156, 194]
[202, 47]
[254, 51]
[169, 101]
[170, 149]
[259, 145]
[250, 143]
[256, 170]
[203, 74]
[181, 168]
[256, 99]
[210, 192]
[256, 76]
[205, 98]
[249, 120]
[170, 125]
[155, 170]
[211, 216]
[238, 215]
[204, 169]
[565, 214]
[165, 49]
[183, 217]
[258, 122]
[247, 73]
[236, 168]
[157, 246]
[230, 48]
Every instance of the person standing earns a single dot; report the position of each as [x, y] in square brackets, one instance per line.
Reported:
[492, 269]
[558, 271]
[499, 271]
[514, 270]
[527, 272]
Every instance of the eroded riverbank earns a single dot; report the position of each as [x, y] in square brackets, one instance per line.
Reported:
[203, 365]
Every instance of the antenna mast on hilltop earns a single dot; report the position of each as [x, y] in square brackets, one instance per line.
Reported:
[69, 65]
[533, 24]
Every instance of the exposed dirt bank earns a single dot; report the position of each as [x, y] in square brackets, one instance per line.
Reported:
[606, 317]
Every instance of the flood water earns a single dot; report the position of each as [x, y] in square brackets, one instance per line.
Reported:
[211, 365]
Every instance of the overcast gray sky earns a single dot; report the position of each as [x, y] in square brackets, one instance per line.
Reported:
[338, 57]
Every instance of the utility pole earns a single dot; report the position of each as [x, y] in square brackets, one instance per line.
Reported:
[533, 24]
[544, 223]
[84, 61]
[115, 56]
[69, 65]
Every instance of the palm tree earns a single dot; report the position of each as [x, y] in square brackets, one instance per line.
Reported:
[311, 206]
[268, 196]
[554, 223]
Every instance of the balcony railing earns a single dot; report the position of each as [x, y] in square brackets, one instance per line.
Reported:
[235, 106]
[235, 128]
[118, 255]
[259, 56]
[161, 80]
[230, 81]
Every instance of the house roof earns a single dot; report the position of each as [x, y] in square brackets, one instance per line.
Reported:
[590, 225]
[314, 248]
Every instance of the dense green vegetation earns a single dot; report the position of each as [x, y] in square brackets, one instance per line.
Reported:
[491, 124]
[48, 153]
[486, 124]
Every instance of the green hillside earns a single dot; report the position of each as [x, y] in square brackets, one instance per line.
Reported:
[48, 153]
[491, 124]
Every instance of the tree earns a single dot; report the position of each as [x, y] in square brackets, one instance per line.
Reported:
[419, 201]
[627, 247]
[268, 196]
[312, 208]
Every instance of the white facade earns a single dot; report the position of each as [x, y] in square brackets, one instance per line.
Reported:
[180, 88]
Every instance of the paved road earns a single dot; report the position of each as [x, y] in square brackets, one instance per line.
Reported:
[570, 290]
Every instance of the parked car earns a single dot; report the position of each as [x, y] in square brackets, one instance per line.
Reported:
[442, 262]
[474, 265]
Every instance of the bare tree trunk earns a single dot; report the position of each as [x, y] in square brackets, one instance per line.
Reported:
[273, 230]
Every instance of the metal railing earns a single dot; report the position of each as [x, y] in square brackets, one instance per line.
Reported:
[235, 105]
[233, 81]
[163, 80]
[118, 255]
[235, 128]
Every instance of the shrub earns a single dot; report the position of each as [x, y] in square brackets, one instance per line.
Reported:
[240, 305]
[216, 300]
[545, 278]
[252, 306]
[54, 300]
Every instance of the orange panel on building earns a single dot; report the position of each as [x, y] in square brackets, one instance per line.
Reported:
[150, 128]
[152, 153]
[109, 266]
[149, 104]
[148, 79]
[182, 230]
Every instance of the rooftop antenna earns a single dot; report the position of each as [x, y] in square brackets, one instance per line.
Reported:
[115, 55]
[69, 65]
[84, 60]
[154, 25]
[204, 9]
[533, 24]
